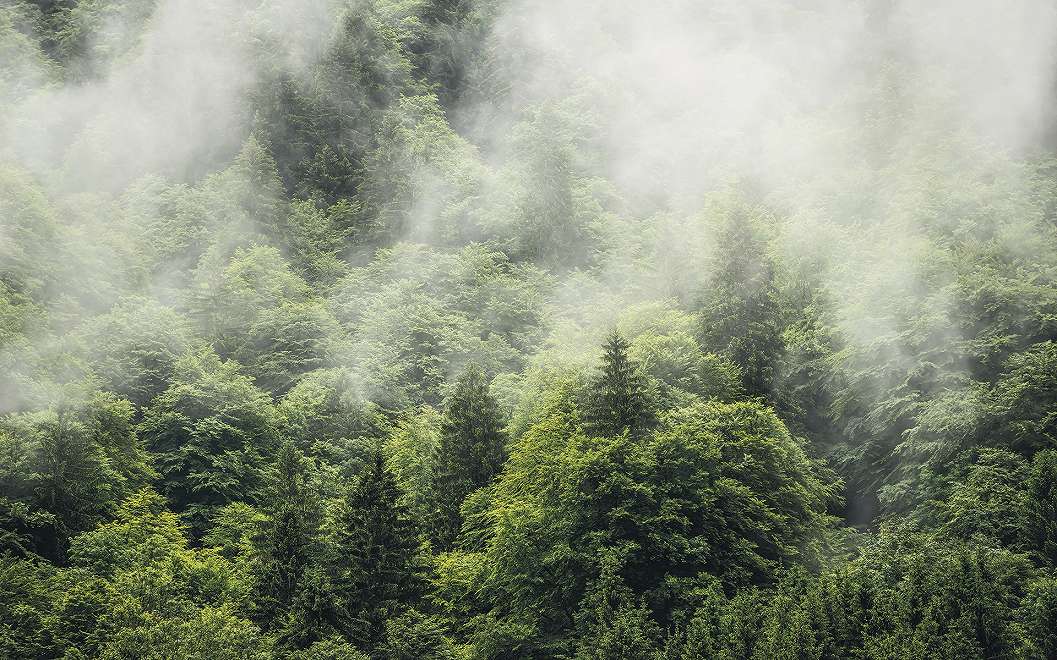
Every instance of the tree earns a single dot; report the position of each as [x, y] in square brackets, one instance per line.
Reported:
[741, 317]
[718, 494]
[229, 296]
[1040, 507]
[618, 399]
[411, 453]
[1025, 396]
[66, 469]
[988, 498]
[375, 557]
[413, 635]
[326, 416]
[25, 601]
[137, 589]
[290, 548]
[287, 342]
[613, 626]
[135, 346]
[142, 532]
[472, 450]
[255, 190]
[209, 431]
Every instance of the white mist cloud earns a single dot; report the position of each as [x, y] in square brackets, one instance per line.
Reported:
[691, 92]
[175, 104]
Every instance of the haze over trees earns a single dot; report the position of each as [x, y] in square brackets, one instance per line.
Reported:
[344, 329]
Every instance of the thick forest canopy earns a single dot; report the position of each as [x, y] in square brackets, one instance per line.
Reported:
[400, 329]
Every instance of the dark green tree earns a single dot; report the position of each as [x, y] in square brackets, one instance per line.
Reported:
[209, 432]
[472, 450]
[289, 599]
[64, 470]
[375, 563]
[618, 399]
[988, 497]
[1040, 508]
[413, 635]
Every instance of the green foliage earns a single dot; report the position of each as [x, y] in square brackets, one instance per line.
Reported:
[30, 227]
[136, 346]
[134, 589]
[420, 157]
[676, 360]
[1040, 507]
[420, 315]
[142, 533]
[1025, 396]
[326, 415]
[741, 317]
[90, 35]
[988, 498]
[209, 432]
[66, 469]
[289, 547]
[411, 455]
[471, 452]
[323, 382]
[231, 297]
[718, 490]
[25, 66]
[618, 401]
[412, 635]
[287, 342]
[375, 565]
[24, 607]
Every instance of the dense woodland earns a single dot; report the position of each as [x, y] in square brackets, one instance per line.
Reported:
[383, 356]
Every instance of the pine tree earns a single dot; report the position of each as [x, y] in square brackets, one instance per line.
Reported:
[290, 544]
[741, 315]
[472, 450]
[618, 398]
[375, 568]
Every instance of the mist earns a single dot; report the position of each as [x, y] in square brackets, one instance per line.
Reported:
[615, 329]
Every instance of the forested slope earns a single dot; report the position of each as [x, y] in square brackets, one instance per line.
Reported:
[526, 329]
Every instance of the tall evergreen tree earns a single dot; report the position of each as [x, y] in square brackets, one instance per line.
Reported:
[472, 450]
[618, 397]
[374, 568]
[740, 312]
[289, 538]
[295, 599]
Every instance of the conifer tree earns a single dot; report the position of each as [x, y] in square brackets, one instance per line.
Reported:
[472, 450]
[291, 552]
[618, 398]
[741, 315]
[375, 568]
[1040, 511]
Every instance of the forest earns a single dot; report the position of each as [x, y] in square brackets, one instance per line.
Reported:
[495, 329]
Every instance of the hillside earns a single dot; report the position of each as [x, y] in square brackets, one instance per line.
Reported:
[398, 329]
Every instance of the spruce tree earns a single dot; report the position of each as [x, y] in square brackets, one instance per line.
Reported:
[618, 397]
[290, 552]
[375, 568]
[741, 312]
[472, 450]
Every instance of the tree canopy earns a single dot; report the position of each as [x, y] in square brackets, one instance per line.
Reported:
[474, 329]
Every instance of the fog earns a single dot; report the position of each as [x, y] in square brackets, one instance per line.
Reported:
[170, 93]
[846, 125]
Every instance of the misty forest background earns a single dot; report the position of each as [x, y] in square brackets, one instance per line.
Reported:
[528, 329]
